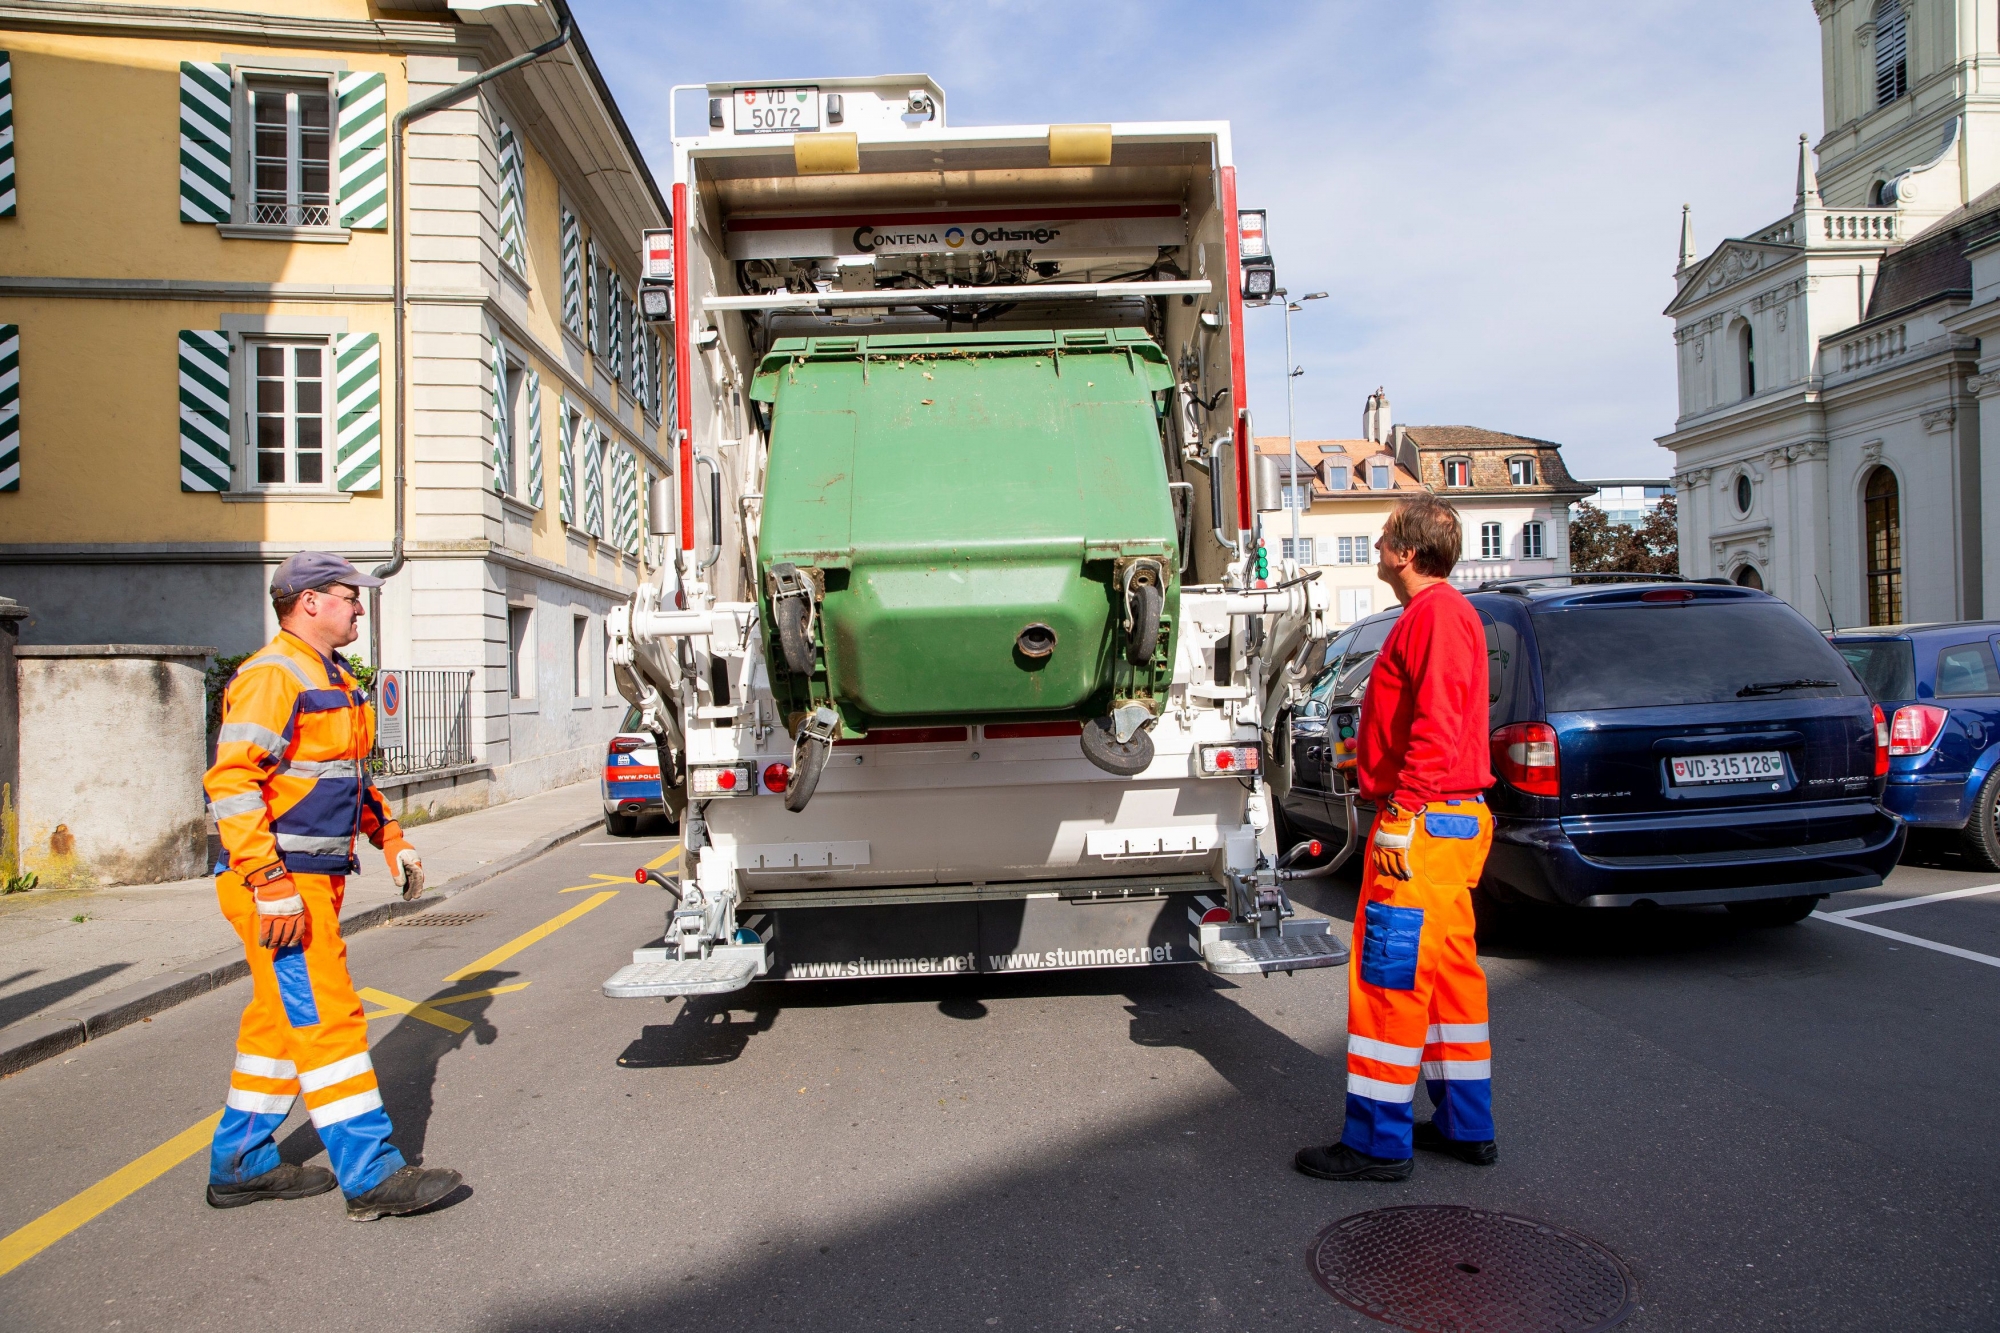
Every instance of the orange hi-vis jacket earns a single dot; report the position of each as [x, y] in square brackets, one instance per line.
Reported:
[290, 782]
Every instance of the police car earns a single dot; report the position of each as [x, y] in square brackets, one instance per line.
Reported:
[631, 778]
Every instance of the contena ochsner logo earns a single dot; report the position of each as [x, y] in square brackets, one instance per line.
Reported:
[870, 239]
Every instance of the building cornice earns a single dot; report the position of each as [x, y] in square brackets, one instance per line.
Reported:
[174, 21]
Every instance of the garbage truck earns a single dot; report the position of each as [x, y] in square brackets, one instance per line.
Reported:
[962, 658]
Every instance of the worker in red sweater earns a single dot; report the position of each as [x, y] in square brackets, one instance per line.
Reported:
[1416, 995]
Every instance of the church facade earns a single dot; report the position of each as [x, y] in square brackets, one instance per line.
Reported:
[1830, 445]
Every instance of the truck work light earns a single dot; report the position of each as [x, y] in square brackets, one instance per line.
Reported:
[656, 304]
[1228, 761]
[1260, 281]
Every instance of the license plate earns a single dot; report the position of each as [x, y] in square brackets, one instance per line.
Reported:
[776, 110]
[1756, 766]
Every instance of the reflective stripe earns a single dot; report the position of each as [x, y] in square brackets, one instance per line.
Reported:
[291, 906]
[273, 659]
[260, 1103]
[312, 1080]
[263, 1066]
[313, 846]
[1459, 1032]
[229, 807]
[262, 737]
[322, 768]
[1383, 1051]
[1461, 1069]
[345, 1109]
[1374, 1088]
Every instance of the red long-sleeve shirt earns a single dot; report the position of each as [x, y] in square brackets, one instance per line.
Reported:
[1423, 730]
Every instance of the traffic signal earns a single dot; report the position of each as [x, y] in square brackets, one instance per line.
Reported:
[1263, 561]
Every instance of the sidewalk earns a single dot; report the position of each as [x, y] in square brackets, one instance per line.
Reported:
[77, 964]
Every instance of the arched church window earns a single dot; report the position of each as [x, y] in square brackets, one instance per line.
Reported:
[1743, 494]
[1892, 41]
[1748, 577]
[1882, 505]
[1746, 357]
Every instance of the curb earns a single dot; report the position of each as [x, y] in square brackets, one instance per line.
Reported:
[35, 1039]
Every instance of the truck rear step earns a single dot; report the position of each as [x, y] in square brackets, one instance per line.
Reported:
[651, 972]
[1298, 943]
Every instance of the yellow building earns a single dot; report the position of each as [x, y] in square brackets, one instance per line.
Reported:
[196, 211]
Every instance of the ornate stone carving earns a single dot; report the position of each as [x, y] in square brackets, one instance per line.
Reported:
[1784, 316]
[1699, 476]
[1736, 263]
[1981, 385]
[1871, 451]
[1939, 420]
[1807, 453]
[1777, 458]
[1700, 346]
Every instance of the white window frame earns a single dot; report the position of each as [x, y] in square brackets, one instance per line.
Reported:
[1492, 542]
[1534, 543]
[243, 154]
[246, 413]
[1459, 467]
[1381, 477]
[1300, 550]
[1353, 551]
[1519, 465]
[521, 655]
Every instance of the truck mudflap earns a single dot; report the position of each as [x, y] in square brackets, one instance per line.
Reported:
[828, 936]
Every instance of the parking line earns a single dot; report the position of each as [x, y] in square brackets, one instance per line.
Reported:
[1916, 902]
[30, 1240]
[520, 942]
[396, 1004]
[1953, 950]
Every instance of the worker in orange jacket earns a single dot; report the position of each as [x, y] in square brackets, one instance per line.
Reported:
[291, 793]
[1416, 997]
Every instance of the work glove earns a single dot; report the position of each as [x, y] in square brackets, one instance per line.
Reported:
[1390, 847]
[281, 912]
[404, 867]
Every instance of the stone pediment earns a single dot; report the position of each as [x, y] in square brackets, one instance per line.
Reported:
[1732, 262]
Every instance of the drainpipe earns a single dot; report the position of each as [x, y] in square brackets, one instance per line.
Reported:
[400, 286]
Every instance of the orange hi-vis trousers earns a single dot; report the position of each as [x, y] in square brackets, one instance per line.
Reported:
[302, 1033]
[1416, 997]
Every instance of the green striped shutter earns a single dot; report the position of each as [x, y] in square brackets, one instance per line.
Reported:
[7, 140]
[206, 190]
[364, 151]
[628, 502]
[594, 275]
[565, 462]
[593, 479]
[204, 393]
[357, 404]
[534, 389]
[572, 274]
[652, 341]
[667, 367]
[10, 407]
[617, 313]
[513, 245]
[502, 464]
[641, 377]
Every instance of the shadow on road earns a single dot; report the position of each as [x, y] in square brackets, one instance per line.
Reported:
[28, 1003]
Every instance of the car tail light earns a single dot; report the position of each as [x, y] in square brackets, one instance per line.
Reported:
[1526, 755]
[1672, 595]
[626, 744]
[1914, 730]
[735, 780]
[1227, 761]
[777, 777]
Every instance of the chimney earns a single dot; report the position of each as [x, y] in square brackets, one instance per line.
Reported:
[1375, 417]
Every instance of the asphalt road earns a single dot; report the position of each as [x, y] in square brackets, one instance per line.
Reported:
[1786, 1128]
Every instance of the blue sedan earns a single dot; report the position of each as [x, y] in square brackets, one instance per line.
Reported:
[1940, 686]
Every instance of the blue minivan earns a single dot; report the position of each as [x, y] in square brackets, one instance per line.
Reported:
[1655, 743]
[1940, 688]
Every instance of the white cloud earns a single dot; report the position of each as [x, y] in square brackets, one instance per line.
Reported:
[1490, 191]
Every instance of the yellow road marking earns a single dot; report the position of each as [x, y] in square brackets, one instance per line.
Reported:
[416, 1009]
[59, 1221]
[409, 1007]
[656, 864]
[597, 880]
[520, 942]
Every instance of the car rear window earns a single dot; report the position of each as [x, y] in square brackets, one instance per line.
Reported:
[1967, 669]
[1887, 667]
[1641, 655]
[632, 717]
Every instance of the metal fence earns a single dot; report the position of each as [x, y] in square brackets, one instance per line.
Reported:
[438, 706]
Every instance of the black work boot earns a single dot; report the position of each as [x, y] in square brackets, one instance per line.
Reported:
[287, 1180]
[1340, 1162]
[1477, 1152]
[410, 1190]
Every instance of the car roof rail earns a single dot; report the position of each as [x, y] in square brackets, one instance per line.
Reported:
[1523, 582]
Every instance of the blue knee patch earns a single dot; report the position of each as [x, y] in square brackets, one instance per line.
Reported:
[1462, 827]
[1389, 949]
[295, 986]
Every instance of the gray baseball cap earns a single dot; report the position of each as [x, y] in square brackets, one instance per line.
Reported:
[309, 570]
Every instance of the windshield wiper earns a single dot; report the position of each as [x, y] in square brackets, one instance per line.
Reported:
[1774, 686]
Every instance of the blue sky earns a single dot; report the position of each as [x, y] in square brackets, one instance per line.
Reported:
[1490, 192]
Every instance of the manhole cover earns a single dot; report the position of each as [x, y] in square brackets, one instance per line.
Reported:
[1442, 1268]
[441, 919]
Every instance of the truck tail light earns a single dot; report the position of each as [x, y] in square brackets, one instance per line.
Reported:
[1228, 761]
[735, 780]
[1915, 729]
[777, 777]
[1526, 755]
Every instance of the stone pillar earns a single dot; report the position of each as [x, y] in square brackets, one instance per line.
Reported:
[1987, 515]
[12, 613]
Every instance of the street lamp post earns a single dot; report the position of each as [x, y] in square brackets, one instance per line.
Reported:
[1292, 373]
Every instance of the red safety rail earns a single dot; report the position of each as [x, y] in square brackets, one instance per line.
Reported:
[1232, 263]
[683, 356]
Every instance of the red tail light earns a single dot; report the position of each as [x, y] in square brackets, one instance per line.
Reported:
[626, 744]
[1215, 916]
[1914, 730]
[777, 777]
[639, 875]
[1525, 754]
